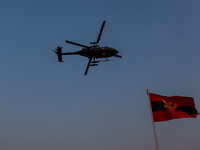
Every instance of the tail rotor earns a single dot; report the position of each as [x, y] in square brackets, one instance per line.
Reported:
[58, 51]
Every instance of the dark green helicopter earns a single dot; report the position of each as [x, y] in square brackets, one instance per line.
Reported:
[92, 52]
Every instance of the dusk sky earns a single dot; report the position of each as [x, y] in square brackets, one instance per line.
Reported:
[48, 105]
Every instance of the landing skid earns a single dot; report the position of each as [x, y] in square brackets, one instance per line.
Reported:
[104, 60]
[93, 63]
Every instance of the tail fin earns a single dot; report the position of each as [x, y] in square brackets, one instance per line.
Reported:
[59, 53]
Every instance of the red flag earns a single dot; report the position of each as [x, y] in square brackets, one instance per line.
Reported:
[165, 108]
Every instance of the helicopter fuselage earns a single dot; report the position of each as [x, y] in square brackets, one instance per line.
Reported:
[98, 52]
[95, 52]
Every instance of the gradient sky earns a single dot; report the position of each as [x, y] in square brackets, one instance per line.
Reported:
[47, 105]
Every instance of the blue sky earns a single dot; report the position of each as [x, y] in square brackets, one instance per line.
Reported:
[47, 105]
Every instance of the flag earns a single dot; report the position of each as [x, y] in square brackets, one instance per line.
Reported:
[165, 108]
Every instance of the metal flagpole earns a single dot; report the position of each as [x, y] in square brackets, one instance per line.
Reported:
[156, 139]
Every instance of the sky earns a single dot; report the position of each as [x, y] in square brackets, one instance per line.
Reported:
[47, 105]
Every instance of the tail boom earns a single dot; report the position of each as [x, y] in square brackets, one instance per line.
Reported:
[58, 51]
[71, 53]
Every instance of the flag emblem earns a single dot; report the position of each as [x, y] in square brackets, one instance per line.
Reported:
[165, 108]
[169, 105]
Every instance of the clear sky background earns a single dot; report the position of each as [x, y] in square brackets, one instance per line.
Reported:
[47, 105]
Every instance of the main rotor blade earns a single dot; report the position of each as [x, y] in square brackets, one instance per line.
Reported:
[70, 42]
[103, 24]
[88, 66]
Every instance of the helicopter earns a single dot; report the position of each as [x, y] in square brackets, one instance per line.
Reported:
[92, 52]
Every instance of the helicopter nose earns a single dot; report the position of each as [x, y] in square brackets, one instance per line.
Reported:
[116, 52]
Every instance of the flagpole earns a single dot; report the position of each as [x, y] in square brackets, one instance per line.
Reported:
[156, 139]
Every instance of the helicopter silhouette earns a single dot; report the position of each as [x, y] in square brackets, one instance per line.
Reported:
[92, 52]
